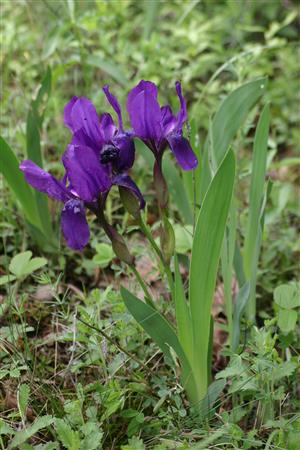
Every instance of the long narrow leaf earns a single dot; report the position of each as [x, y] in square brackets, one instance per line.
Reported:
[257, 188]
[228, 119]
[9, 166]
[206, 250]
[160, 330]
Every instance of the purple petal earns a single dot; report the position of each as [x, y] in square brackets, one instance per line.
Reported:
[182, 115]
[144, 112]
[125, 144]
[67, 113]
[183, 152]
[87, 176]
[44, 181]
[115, 104]
[169, 121]
[108, 128]
[74, 225]
[126, 182]
[80, 113]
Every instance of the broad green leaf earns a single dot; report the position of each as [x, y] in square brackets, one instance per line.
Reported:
[19, 262]
[160, 330]
[206, 250]
[22, 265]
[27, 433]
[183, 316]
[257, 188]
[287, 319]
[9, 166]
[109, 67]
[33, 145]
[68, 437]
[104, 255]
[285, 369]
[226, 122]
[4, 279]
[287, 296]
[34, 264]
[23, 397]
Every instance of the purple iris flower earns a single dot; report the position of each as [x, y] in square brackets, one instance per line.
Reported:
[99, 156]
[157, 126]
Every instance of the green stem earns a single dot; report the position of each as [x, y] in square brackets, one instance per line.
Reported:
[157, 250]
[143, 285]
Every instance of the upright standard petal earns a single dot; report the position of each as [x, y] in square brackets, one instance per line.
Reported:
[74, 225]
[145, 115]
[183, 152]
[140, 87]
[126, 182]
[107, 126]
[87, 175]
[67, 113]
[80, 113]
[168, 120]
[182, 115]
[43, 181]
[115, 104]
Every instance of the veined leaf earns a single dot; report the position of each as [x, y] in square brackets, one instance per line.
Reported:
[257, 187]
[27, 433]
[9, 166]
[160, 330]
[258, 196]
[228, 119]
[206, 250]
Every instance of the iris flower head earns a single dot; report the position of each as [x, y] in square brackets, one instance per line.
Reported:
[157, 126]
[98, 157]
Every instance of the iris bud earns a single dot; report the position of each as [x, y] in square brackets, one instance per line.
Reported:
[120, 248]
[130, 202]
[167, 240]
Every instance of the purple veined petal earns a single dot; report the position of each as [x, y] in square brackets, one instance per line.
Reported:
[127, 182]
[74, 225]
[183, 152]
[82, 115]
[182, 115]
[44, 181]
[169, 121]
[67, 113]
[125, 144]
[108, 127]
[115, 104]
[87, 176]
[145, 116]
[81, 138]
[142, 86]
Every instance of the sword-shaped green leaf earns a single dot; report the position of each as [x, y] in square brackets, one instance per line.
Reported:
[206, 250]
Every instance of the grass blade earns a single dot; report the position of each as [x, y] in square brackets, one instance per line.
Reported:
[206, 250]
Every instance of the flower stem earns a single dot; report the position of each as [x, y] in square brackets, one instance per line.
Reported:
[157, 250]
[143, 285]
